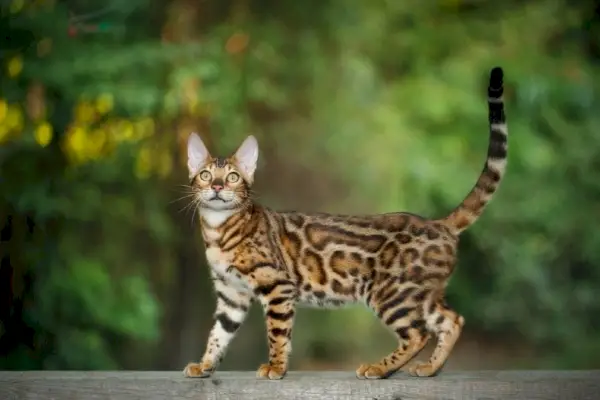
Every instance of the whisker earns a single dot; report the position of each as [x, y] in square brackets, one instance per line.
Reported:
[253, 194]
[186, 208]
[192, 205]
[195, 199]
[188, 193]
[187, 196]
[194, 202]
[196, 207]
[185, 187]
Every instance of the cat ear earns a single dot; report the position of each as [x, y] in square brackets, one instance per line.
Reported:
[197, 154]
[246, 157]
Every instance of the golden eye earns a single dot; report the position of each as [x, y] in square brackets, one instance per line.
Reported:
[205, 175]
[233, 177]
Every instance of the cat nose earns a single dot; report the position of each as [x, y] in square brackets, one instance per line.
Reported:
[217, 188]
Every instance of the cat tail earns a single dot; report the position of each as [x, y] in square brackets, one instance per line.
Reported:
[472, 206]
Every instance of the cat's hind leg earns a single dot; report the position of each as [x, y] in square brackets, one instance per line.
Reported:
[395, 305]
[447, 325]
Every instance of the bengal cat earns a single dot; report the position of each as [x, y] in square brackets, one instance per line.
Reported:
[398, 264]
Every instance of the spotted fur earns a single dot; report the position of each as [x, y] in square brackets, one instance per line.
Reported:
[397, 264]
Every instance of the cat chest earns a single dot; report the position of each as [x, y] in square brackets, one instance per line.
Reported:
[220, 264]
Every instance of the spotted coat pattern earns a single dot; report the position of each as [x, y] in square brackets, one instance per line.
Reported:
[397, 264]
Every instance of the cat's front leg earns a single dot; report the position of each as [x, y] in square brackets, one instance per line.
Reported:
[232, 308]
[279, 303]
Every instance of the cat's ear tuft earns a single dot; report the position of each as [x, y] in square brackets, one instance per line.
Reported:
[197, 154]
[246, 157]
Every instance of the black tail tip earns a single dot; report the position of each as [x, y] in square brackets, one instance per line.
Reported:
[496, 78]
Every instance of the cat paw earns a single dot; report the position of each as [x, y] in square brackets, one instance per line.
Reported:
[271, 371]
[371, 371]
[422, 369]
[195, 370]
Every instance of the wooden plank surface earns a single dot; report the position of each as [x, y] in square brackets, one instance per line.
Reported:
[482, 385]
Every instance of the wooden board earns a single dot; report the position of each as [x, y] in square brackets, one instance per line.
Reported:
[483, 385]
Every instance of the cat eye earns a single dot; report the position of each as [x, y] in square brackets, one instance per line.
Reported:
[205, 175]
[233, 177]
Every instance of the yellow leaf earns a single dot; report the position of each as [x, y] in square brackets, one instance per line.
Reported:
[84, 112]
[16, 6]
[95, 143]
[43, 134]
[165, 165]
[125, 131]
[144, 128]
[14, 66]
[104, 103]
[3, 110]
[75, 143]
[14, 118]
[4, 133]
[143, 163]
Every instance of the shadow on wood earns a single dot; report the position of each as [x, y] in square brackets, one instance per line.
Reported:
[488, 385]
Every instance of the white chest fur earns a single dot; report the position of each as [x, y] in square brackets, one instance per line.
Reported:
[211, 221]
[220, 264]
[215, 218]
[220, 261]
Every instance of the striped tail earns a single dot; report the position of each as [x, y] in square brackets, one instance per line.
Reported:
[493, 171]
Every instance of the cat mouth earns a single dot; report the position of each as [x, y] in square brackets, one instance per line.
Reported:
[217, 198]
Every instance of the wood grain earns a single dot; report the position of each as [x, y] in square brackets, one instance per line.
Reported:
[482, 385]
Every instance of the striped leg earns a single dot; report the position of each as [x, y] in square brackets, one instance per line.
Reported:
[279, 305]
[400, 314]
[447, 325]
[232, 308]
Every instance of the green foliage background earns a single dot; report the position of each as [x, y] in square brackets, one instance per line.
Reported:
[358, 106]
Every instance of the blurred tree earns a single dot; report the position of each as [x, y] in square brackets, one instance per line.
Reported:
[348, 99]
[65, 191]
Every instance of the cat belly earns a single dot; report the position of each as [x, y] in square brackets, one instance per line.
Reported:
[309, 299]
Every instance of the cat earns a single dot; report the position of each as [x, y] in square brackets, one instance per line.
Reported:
[398, 264]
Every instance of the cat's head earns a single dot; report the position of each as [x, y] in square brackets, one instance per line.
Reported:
[221, 183]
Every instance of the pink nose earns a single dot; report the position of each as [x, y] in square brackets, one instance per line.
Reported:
[217, 188]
